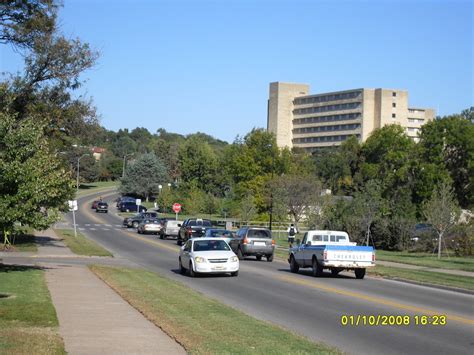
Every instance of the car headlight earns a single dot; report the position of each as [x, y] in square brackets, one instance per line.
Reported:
[234, 259]
[199, 260]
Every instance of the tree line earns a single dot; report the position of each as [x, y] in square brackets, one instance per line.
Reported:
[379, 188]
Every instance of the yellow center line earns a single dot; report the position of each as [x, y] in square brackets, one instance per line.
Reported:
[372, 299]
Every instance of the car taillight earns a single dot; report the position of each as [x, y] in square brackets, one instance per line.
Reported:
[245, 241]
[325, 255]
[273, 242]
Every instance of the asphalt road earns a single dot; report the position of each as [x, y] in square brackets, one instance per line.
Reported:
[301, 303]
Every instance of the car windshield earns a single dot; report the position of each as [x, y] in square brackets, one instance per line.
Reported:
[201, 222]
[210, 245]
[221, 233]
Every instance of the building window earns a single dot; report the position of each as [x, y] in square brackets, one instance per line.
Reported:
[394, 94]
[394, 104]
[394, 115]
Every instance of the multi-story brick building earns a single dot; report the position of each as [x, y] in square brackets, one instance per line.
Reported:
[299, 119]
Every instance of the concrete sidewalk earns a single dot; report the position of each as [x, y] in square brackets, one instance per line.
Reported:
[93, 319]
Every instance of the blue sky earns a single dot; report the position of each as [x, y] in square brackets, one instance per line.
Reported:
[190, 66]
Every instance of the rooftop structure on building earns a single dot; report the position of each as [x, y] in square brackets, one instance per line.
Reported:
[299, 119]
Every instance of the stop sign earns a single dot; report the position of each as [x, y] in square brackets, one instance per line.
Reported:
[176, 207]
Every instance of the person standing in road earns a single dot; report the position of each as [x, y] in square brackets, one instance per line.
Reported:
[291, 235]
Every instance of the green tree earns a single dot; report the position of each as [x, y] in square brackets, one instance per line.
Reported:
[198, 164]
[143, 176]
[34, 183]
[448, 143]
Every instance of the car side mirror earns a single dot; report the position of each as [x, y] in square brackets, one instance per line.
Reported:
[298, 242]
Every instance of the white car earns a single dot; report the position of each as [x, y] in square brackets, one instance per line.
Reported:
[207, 256]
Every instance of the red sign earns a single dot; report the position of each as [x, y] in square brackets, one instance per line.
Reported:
[176, 207]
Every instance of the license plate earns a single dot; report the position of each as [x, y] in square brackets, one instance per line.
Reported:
[259, 243]
[218, 268]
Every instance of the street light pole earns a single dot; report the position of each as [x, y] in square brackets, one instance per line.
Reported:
[78, 160]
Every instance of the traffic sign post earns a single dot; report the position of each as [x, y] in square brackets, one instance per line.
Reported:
[73, 207]
[176, 208]
[138, 202]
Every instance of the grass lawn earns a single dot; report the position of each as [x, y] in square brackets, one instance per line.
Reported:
[422, 276]
[428, 260]
[200, 324]
[21, 243]
[86, 189]
[81, 245]
[28, 322]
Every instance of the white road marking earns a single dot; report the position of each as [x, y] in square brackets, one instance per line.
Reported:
[87, 225]
[105, 229]
[92, 229]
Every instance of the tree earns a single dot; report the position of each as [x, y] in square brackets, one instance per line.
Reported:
[247, 208]
[144, 176]
[300, 194]
[368, 205]
[34, 183]
[198, 164]
[442, 212]
[448, 143]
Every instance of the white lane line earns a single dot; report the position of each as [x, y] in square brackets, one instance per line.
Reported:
[92, 229]
[87, 224]
[82, 229]
[108, 225]
[105, 229]
[97, 225]
[117, 225]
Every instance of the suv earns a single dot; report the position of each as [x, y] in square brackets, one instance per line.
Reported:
[253, 241]
[101, 207]
[131, 207]
[134, 221]
[192, 228]
[170, 229]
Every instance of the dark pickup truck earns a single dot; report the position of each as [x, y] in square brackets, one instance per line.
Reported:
[192, 228]
[134, 221]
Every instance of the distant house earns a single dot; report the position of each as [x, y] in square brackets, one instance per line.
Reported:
[97, 152]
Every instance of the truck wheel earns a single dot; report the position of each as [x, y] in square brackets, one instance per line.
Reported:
[294, 267]
[317, 269]
[270, 258]
[259, 257]
[335, 272]
[182, 270]
[240, 255]
[360, 273]
[161, 236]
